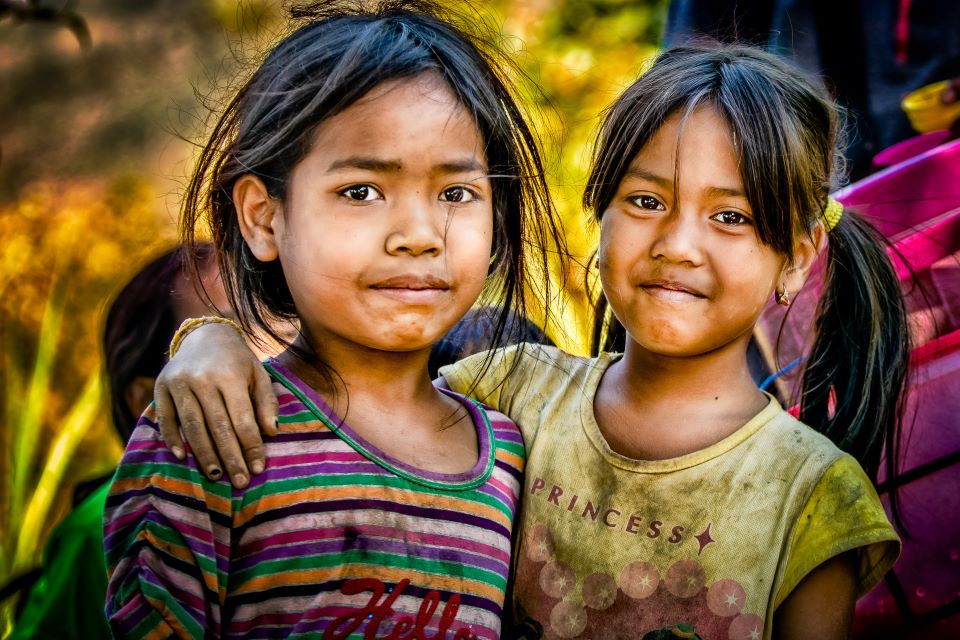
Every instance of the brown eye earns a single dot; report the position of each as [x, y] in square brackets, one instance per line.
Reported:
[731, 218]
[360, 192]
[458, 195]
[648, 202]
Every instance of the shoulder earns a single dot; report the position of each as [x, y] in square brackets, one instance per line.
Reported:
[789, 440]
[512, 368]
[842, 513]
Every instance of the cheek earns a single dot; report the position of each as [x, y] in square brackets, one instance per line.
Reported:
[604, 249]
[615, 254]
[470, 246]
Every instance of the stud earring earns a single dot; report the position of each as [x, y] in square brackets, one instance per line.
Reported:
[782, 296]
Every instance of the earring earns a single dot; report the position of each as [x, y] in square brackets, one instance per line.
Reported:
[782, 296]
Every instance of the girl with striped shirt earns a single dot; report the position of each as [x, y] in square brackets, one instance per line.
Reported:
[366, 180]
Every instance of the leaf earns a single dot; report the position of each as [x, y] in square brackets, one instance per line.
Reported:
[29, 429]
[72, 430]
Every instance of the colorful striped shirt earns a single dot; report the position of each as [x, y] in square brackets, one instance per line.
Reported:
[335, 539]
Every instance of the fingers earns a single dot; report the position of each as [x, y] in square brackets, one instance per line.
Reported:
[167, 421]
[221, 431]
[246, 429]
[191, 418]
[266, 401]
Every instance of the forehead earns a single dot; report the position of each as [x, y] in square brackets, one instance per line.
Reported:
[694, 145]
[406, 119]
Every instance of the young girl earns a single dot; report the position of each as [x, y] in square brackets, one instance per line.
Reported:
[664, 491]
[367, 179]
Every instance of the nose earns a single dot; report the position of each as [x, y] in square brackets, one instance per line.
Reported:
[679, 238]
[417, 228]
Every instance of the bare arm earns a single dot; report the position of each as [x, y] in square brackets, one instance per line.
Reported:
[822, 604]
[215, 389]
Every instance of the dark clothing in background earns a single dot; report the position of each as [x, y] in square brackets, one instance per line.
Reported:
[872, 52]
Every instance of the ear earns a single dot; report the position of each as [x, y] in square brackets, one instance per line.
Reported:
[258, 215]
[805, 254]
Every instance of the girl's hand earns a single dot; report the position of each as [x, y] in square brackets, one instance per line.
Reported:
[206, 388]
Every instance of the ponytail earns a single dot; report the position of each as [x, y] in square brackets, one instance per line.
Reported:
[854, 382]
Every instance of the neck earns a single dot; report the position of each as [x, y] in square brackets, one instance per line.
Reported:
[364, 376]
[720, 378]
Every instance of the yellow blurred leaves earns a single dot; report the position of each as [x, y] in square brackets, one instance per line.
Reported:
[67, 248]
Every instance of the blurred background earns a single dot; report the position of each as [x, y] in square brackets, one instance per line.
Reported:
[101, 106]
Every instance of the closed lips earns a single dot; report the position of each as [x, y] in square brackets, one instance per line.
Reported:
[670, 287]
[413, 283]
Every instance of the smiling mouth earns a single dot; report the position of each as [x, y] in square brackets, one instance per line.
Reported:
[413, 289]
[671, 291]
[413, 283]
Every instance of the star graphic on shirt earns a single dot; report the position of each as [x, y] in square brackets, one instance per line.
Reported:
[704, 538]
[645, 582]
[755, 634]
[574, 619]
[732, 600]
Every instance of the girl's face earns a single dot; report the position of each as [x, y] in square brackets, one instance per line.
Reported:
[385, 235]
[680, 263]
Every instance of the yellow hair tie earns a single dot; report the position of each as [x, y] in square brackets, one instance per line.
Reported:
[190, 324]
[831, 214]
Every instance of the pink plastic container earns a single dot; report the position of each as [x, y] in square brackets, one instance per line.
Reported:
[909, 148]
[916, 204]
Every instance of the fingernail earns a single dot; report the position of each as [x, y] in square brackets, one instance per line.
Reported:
[177, 452]
[214, 473]
[239, 480]
[256, 467]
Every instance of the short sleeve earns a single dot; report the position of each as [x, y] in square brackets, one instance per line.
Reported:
[843, 513]
[513, 380]
[486, 376]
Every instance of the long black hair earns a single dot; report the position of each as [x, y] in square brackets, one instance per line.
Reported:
[787, 134]
[341, 51]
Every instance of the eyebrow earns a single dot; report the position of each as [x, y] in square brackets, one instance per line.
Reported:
[366, 163]
[668, 183]
[465, 165]
[650, 177]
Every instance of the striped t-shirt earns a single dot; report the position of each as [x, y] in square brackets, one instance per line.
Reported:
[335, 539]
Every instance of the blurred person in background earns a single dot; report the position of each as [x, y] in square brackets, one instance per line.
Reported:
[66, 601]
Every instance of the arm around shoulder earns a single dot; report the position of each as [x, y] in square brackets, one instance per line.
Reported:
[216, 390]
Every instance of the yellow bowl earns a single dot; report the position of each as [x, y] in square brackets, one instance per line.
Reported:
[925, 110]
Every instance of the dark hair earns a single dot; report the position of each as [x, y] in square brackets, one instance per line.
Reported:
[139, 325]
[342, 52]
[786, 131]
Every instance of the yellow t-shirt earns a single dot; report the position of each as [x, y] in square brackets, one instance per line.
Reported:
[614, 547]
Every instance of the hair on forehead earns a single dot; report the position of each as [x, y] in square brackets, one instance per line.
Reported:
[783, 126]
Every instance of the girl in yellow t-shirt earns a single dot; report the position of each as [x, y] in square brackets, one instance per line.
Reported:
[663, 488]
